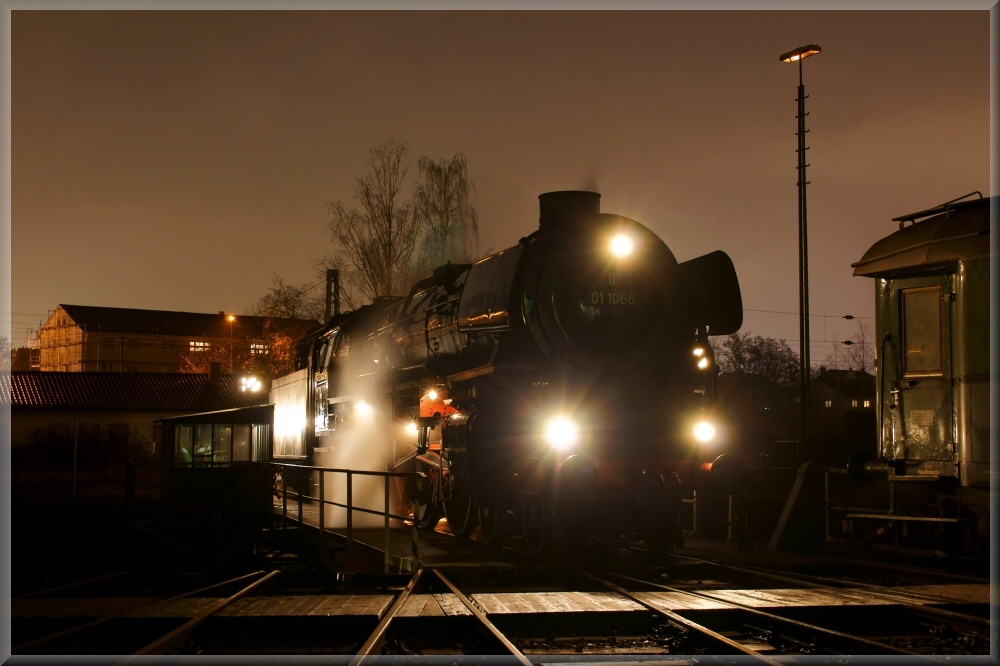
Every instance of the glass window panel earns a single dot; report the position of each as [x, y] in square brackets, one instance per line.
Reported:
[922, 331]
[203, 439]
[182, 443]
[223, 442]
[241, 442]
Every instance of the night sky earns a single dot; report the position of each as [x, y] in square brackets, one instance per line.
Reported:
[174, 160]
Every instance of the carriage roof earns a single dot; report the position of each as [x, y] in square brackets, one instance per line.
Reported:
[949, 233]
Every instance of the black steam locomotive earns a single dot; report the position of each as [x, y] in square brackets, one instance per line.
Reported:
[561, 389]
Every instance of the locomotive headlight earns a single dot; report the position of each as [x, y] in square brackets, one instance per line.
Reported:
[433, 395]
[698, 351]
[703, 363]
[621, 245]
[562, 434]
[363, 409]
[704, 431]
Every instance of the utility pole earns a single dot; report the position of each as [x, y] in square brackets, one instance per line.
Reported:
[798, 55]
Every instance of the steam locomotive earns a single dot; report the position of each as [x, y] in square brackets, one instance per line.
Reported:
[561, 389]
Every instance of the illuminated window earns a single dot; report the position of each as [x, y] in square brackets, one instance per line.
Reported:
[829, 403]
[854, 403]
[259, 348]
[199, 346]
[868, 403]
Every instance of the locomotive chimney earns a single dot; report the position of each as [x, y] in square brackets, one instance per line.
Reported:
[558, 208]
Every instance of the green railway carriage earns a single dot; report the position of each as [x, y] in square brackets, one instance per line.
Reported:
[932, 296]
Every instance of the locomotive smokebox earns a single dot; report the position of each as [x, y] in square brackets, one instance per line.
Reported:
[559, 208]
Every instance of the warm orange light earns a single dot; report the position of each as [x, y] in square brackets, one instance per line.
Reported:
[800, 53]
[231, 318]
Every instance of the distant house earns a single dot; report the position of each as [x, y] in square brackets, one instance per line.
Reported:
[759, 411]
[85, 425]
[843, 406]
[82, 338]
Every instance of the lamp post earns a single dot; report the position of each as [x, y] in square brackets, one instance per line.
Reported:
[231, 319]
[798, 55]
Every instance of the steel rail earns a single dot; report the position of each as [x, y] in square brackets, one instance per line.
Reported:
[755, 572]
[378, 636]
[161, 644]
[756, 611]
[88, 625]
[920, 571]
[482, 619]
[894, 592]
[879, 590]
[68, 586]
[679, 619]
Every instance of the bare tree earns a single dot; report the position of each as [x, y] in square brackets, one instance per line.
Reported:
[861, 354]
[378, 240]
[757, 355]
[449, 223]
[835, 358]
[285, 300]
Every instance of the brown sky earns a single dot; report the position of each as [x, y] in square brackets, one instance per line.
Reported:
[175, 159]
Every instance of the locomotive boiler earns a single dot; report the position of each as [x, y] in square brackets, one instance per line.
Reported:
[561, 389]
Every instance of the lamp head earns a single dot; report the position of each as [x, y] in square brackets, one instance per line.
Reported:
[800, 53]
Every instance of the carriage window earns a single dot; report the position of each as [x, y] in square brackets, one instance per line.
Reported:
[223, 442]
[203, 440]
[182, 443]
[922, 331]
[241, 442]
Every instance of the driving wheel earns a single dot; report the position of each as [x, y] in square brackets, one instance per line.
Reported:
[461, 514]
[491, 524]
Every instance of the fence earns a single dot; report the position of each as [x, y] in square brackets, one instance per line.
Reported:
[191, 483]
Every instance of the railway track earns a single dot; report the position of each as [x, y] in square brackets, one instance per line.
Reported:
[679, 605]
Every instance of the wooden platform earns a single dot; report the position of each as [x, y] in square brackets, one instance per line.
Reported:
[554, 602]
[520, 603]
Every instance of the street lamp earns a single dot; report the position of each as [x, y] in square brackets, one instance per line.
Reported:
[231, 319]
[798, 55]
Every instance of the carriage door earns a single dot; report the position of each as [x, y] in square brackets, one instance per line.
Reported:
[925, 392]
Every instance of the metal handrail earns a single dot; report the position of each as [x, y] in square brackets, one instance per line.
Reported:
[132, 486]
[349, 506]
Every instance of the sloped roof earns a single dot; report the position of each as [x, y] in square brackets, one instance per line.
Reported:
[167, 322]
[960, 233]
[107, 391]
[849, 383]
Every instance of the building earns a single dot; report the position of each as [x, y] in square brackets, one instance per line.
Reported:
[72, 432]
[81, 338]
[844, 404]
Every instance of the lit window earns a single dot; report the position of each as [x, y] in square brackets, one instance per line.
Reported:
[829, 403]
[259, 348]
[854, 403]
[199, 346]
[868, 403]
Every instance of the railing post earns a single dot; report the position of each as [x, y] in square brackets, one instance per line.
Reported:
[284, 499]
[386, 477]
[298, 493]
[350, 510]
[694, 512]
[729, 520]
[322, 514]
